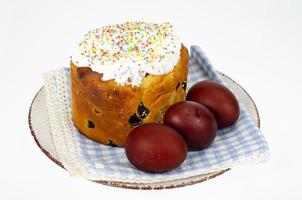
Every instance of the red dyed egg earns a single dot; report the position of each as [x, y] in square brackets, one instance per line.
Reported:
[155, 148]
[194, 121]
[218, 99]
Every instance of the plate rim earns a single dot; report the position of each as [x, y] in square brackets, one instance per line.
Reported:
[143, 186]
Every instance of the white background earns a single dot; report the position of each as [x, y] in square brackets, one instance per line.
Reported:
[257, 43]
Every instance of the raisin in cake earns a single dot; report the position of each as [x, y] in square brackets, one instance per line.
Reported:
[125, 75]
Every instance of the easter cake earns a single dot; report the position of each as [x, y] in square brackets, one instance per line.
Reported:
[125, 75]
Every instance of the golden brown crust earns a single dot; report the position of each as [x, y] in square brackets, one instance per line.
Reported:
[101, 110]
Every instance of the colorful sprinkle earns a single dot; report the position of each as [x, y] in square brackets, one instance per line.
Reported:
[126, 52]
[142, 40]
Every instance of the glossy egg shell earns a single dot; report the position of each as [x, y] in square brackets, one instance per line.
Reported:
[194, 121]
[218, 99]
[155, 148]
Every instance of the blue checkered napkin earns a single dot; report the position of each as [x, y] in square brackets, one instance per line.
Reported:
[241, 143]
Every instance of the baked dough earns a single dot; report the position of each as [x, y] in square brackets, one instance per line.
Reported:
[106, 111]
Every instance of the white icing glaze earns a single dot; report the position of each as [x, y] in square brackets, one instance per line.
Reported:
[126, 52]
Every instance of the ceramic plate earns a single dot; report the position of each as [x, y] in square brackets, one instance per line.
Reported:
[40, 129]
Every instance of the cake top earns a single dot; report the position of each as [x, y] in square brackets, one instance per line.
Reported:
[126, 52]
